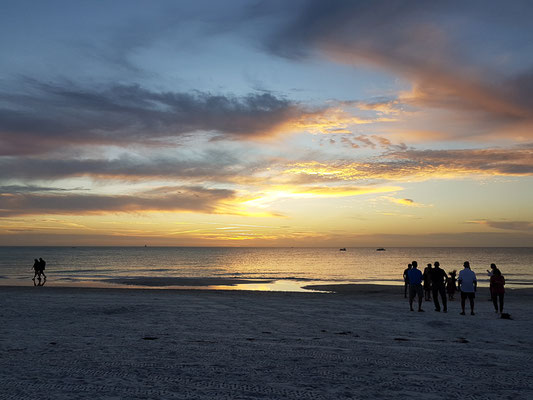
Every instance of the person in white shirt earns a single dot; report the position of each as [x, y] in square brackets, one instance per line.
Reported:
[467, 285]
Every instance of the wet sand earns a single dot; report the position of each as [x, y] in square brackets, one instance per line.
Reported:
[362, 342]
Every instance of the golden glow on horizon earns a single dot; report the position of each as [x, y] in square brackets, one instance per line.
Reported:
[301, 192]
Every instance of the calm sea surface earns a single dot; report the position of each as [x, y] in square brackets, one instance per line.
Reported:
[268, 268]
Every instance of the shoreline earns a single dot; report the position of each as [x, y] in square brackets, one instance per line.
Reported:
[353, 289]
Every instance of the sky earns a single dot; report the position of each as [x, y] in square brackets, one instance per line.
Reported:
[266, 123]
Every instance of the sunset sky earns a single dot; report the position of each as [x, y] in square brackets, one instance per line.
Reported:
[275, 123]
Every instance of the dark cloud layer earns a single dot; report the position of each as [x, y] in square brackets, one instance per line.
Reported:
[497, 161]
[46, 117]
[189, 199]
[392, 165]
[212, 166]
[508, 225]
[418, 164]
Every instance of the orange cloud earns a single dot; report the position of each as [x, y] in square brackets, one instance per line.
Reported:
[404, 202]
[421, 164]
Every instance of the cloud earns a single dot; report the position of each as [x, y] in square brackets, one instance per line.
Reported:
[206, 165]
[513, 161]
[168, 199]
[419, 164]
[41, 117]
[450, 65]
[404, 202]
[372, 142]
[524, 226]
[12, 189]
[45, 117]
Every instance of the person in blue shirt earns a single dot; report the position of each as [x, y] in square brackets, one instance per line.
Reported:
[467, 285]
[415, 286]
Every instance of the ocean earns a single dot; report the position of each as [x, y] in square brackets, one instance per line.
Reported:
[285, 269]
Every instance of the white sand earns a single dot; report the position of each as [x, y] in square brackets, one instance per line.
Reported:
[62, 343]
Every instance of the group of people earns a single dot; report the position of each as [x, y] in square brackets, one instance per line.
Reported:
[38, 268]
[434, 281]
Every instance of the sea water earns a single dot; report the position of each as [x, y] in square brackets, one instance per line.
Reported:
[279, 268]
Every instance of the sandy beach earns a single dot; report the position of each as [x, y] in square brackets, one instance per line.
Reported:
[361, 343]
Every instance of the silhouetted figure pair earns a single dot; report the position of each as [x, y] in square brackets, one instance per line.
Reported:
[438, 284]
[467, 285]
[38, 267]
[415, 286]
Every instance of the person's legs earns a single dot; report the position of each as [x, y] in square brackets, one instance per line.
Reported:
[405, 289]
[442, 291]
[501, 302]
[463, 300]
[420, 299]
[495, 302]
[471, 298]
[412, 294]
[436, 298]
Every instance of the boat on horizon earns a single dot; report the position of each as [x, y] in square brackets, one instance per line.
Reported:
[380, 249]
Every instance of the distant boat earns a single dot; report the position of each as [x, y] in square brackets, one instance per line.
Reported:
[343, 249]
[380, 249]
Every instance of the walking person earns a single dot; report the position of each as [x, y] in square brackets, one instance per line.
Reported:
[37, 271]
[467, 285]
[427, 282]
[438, 282]
[42, 265]
[415, 286]
[497, 290]
[406, 280]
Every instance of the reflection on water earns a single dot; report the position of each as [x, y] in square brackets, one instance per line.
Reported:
[273, 286]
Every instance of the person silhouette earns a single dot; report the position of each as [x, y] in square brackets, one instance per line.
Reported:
[467, 285]
[406, 280]
[37, 271]
[415, 286]
[42, 265]
[497, 290]
[438, 281]
[427, 282]
[490, 273]
[451, 286]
